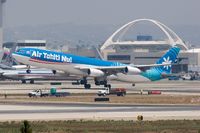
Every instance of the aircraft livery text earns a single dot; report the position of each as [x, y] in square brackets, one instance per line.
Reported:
[51, 56]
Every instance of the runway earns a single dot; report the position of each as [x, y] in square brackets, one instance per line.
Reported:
[39, 109]
[167, 87]
[68, 111]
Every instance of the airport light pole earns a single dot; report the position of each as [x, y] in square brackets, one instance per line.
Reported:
[1, 23]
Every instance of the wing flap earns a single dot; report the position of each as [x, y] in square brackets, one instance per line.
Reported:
[151, 65]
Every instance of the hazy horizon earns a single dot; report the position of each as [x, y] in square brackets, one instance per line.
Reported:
[94, 21]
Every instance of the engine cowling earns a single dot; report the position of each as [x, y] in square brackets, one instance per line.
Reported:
[132, 70]
[95, 72]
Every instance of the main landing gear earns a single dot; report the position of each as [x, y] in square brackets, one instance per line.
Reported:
[88, 86]
[24, 81]
[104, 82]
[84, 82]
[28, 70]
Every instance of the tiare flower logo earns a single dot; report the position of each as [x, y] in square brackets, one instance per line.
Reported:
[167, 61]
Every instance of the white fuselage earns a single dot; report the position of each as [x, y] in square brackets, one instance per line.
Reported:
[70, 69]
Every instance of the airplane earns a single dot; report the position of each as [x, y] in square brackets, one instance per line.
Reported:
[100, 70]
[35, 74]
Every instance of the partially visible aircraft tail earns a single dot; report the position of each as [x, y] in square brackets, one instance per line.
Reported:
[9, 59]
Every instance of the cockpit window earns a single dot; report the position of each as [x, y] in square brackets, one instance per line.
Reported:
[18, 50]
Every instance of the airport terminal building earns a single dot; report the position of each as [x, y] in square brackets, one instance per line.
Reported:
[145, 50]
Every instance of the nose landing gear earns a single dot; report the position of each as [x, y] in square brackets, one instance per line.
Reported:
[28, 71]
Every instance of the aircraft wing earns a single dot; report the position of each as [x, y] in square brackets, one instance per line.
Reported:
[151, 65]
[82, 67]
[109, 70]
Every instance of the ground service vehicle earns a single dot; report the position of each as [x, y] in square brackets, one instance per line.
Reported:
[108, 91]
[45, 93]
[39, 92]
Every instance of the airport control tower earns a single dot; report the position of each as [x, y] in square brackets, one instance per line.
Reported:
[1, 23]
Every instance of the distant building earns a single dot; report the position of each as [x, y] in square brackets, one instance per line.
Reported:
[83, 51]
[145, 50]
[144, 38]
[31, 44]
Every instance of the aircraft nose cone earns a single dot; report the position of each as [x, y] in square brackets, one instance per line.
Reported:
[14, 55]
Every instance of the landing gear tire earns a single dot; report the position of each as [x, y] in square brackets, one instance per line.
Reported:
[107, 85]
[87, 86]
[83, 81]
[32, 82]
[97, 83]
[54, 72]
[23, 81]
[28, 71]
[100, 81]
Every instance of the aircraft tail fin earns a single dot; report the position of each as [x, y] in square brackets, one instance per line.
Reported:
[156, 73]
[170, 57]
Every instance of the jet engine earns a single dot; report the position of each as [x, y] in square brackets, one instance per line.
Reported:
[95, 72]
[132, 70]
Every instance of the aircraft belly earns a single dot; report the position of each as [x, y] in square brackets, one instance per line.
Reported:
[70, 68]
[132, 78]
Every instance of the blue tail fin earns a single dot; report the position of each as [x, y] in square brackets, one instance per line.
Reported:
[168, 58]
